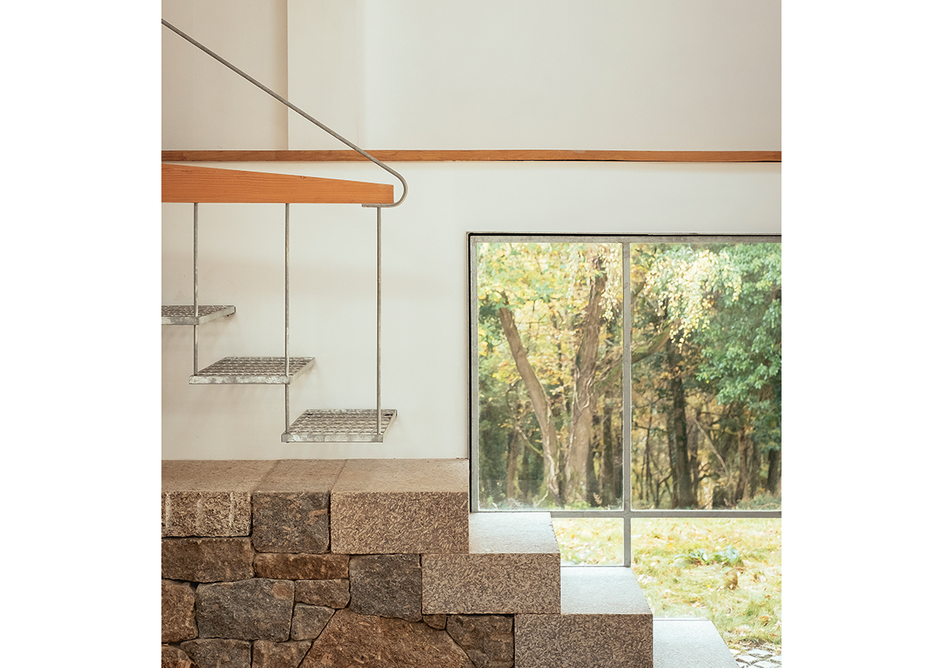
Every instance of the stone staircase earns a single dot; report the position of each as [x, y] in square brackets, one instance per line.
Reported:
[301, 563]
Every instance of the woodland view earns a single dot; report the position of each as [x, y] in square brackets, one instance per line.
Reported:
[704, 372]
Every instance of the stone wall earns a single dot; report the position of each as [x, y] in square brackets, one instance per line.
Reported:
[226, 604]
[279, 597]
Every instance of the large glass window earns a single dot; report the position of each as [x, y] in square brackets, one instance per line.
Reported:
[698, 401]
[706, 342]
[550, 398]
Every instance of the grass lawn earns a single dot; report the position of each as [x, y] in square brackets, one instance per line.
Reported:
[726, 570]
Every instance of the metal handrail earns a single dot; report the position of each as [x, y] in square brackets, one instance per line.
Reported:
[297, 110]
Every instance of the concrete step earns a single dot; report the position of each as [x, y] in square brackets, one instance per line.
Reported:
[401, 506]
[690, 643]
[512, 566]
[604, 620]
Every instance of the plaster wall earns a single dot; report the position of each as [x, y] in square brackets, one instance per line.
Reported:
[607, 74]
[396, 74]
[204, 104]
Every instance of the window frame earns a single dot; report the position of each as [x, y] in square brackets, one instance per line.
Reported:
[626, 513]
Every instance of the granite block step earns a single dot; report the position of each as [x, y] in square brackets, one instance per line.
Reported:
[604, 620]
[690, 643]
[209, 498]
[283, 504]
[291, 506]
[401, 506]
[512, 566]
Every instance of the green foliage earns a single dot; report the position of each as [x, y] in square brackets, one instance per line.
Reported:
[743, 601]
[742, 355]
[699, 556]
[761, 502]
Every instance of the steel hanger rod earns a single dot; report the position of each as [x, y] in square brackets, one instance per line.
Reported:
[297, 110]
[286, 317]
[378, 333]
[195, 287]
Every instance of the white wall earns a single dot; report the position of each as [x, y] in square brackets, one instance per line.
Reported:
[393, 74]
[326, 66]
[610, 74]
[206, 105]
[437, 75]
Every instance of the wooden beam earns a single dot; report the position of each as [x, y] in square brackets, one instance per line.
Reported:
[505, 155]
[188, 183]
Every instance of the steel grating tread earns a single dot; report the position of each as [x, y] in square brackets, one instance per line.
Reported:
[339, 426]
[184, 314]
[252, 370]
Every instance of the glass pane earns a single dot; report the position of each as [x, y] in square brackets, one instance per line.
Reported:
[550, 375]
[590, 542]
[726, 570]
[706, 379]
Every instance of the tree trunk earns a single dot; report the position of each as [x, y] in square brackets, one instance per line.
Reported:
[549, 439]
[513, 442]
[526, 489]
[594, 462]
[612, 459]
[581, 415]
[775, 472]
[755, 465]
[743, 489]
[677, 432]
[693, 436]
[646, 466]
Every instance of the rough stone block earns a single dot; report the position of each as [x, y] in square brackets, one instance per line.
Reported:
[206, 513]
[279, 654]
[678, 639]
[227, 653]
[291, 522]
[330, 593]
[301, 566]
[257, 609]
[381, 642]
[178, 603]
[580, 641]
[387, 585]
[207, 559]
[513, 566]
[400, 506]
[309, 621]
[604, 621]
[209, 498]
[435, 621]
[489, 640]
[291, 506]
[173, 657]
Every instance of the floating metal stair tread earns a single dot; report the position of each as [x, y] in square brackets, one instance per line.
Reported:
[185, 314]
[339, 426]
[252, 371]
